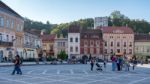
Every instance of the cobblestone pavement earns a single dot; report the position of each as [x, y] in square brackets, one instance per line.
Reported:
[73, 74]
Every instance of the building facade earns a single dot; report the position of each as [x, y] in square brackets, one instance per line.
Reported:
[91, 43]
[61, 44]
[48, 44]
[142, 45]
[118, 40]
[11, 31]
[31, 43]
[100, 21]
[74, 41]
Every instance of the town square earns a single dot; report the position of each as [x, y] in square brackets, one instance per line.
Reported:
[74, 74]
[74, 42]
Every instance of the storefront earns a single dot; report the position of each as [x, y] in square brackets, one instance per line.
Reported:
[29, 53]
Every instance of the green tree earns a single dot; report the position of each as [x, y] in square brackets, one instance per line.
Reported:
[62, 55]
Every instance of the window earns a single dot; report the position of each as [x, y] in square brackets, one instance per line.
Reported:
[8, 23]
[111, 51]
[63, 44]
[97, 43]
[0, 37]
[85, 42]
[76, 39]
[76, 49]
[105, 43]
[105, 51]
[92, 43]
[18, 27]
[71, 49]
[137, 48]
[124, 51]
[130, 44]
[118, 50]
[58, 44]
[71, 39]
[148, 50]
[1, 21]
[124, 44]
[12, 38]
[12, 24]
[130, 51]
[7, 38]
[111, 44]
[118, 44]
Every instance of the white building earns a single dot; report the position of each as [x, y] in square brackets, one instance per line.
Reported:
[74, 41]
[31, 43]
[100, 21]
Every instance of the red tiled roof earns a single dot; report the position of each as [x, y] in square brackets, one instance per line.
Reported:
[50, 37]
[142, 38]
[115, 30]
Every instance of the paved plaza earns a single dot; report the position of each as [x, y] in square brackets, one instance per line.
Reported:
[74, 74]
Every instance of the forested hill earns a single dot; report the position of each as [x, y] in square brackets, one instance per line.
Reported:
[30, 25]
[115, 19]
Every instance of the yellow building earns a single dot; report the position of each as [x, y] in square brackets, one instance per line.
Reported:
[48, 44]
[142, 45]
[11, 32]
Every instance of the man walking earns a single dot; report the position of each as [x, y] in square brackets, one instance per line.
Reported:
[17, 63]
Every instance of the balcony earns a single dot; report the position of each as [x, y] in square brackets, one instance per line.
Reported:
[29, 45]
[2, 43]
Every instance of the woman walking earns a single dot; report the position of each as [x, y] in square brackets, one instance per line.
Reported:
[92, 63]
[113, 59]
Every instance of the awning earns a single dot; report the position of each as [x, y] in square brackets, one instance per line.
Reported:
[119, 54]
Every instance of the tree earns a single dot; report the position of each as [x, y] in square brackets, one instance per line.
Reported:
[62, 55]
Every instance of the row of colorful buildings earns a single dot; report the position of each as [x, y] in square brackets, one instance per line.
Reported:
[100, 41]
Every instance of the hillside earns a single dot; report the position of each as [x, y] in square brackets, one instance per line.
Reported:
[115, 19]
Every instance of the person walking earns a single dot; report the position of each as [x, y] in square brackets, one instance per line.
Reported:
[92, 63]
[105, 62]
[113, 59]
[126, 64]
[134, 60]
[17, 63]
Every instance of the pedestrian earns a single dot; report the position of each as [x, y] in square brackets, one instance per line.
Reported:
[17, 64]
[92, 63]
[141, 60]
[105, 62]
[126, 64]
[134, 60]
[113, 59]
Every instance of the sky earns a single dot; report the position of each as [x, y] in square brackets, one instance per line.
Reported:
[62, 11]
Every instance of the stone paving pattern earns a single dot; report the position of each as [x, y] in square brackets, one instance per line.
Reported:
[73, 74]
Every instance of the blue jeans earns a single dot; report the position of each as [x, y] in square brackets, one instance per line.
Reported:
[17, 68]
[113, 66]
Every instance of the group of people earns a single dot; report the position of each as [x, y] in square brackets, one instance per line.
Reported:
[120, 62]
